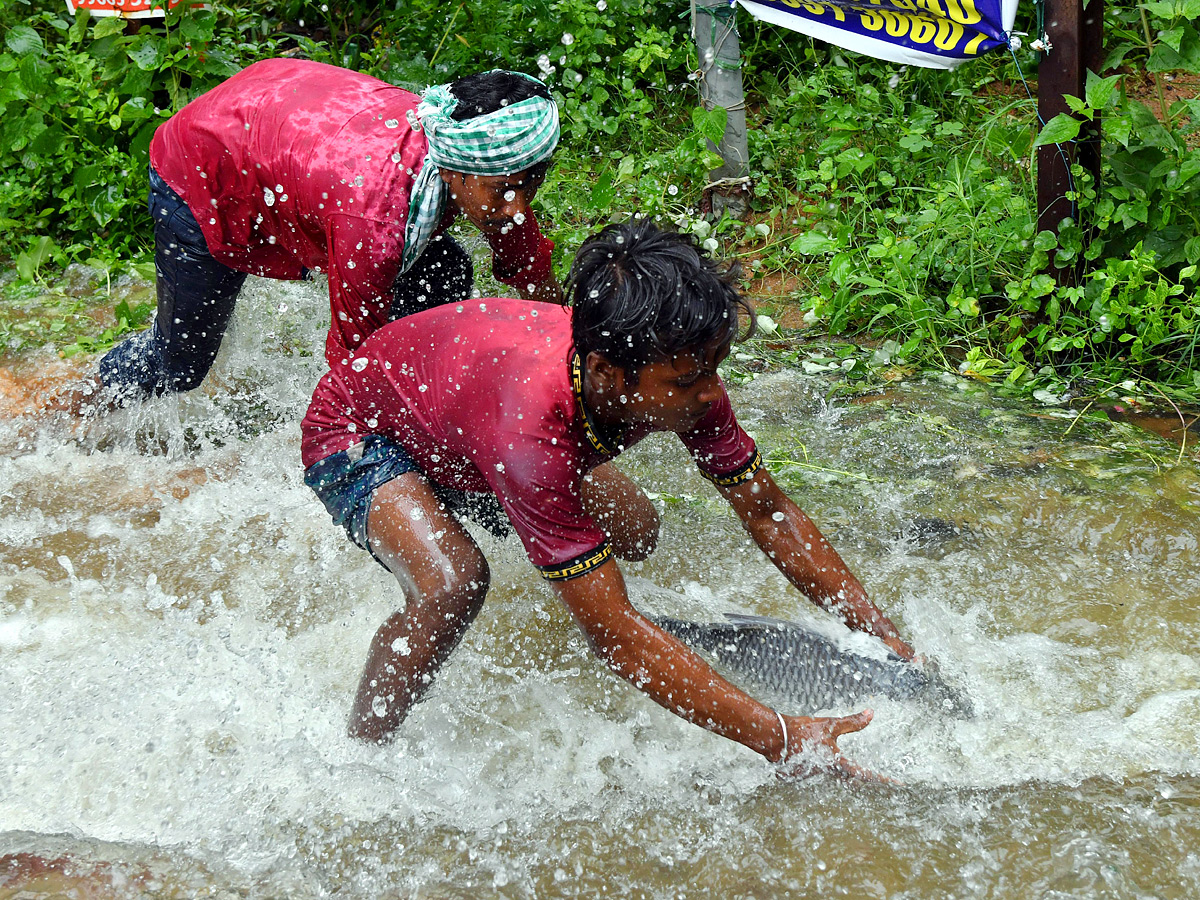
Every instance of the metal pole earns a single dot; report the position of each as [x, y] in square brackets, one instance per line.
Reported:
[1076, 36]
[714, 29]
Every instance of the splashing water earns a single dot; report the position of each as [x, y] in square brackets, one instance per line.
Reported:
[182, 629]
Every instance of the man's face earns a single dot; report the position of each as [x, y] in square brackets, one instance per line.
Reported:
[493, 203]
[675, 394]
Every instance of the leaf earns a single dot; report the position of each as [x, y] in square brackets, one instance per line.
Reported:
[812, 243]
[1099, 91]
[1041, 285]
[1059, 130]
[1148, 128]
[1045, 240]
[1186, 55]
[1172, 38]
[1164, 9]
[23, 40]
[197, 27]
[78, 29]
[146, 55]
[1119, 128]
[625, 169]
[602, 190]
[220, 64]
[1077, 105]
[107, 26]
[38, 254]
[1188, 170]
[85, 176]
[1173, 9]
[711, 122]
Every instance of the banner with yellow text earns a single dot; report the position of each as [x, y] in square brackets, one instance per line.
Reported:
[937, 34]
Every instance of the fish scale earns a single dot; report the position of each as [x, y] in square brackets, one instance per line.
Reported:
[808, 668]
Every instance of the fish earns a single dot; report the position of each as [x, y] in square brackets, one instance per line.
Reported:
[805, 667]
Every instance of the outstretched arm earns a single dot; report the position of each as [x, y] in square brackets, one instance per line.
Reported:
[676, 677]
[800, 551]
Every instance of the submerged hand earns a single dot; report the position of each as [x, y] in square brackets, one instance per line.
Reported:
[806, 734]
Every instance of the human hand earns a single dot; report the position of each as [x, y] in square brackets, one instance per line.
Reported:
[806, 734]
[898, 646]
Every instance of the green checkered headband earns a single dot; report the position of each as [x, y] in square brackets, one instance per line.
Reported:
[504, 142]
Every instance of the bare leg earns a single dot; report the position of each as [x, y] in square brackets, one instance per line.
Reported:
[625, 513]
[445, 579]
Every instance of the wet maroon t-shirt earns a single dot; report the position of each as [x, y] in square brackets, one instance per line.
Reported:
[293, 165]
[485, 396]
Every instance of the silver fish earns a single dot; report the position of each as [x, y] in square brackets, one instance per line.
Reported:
[806, 668]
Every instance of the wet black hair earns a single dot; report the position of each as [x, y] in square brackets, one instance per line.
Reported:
[641, 294]
[486, 92]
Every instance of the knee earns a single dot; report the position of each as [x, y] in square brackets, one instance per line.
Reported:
[473, 583]
[454, 599]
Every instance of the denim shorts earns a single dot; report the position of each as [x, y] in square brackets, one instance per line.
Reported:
[347, 480]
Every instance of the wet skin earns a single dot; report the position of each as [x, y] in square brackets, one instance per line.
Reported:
[445, 579]
[668, 395]
[494, 203]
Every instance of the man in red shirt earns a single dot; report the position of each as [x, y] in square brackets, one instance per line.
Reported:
[293, 166]
[523, 403]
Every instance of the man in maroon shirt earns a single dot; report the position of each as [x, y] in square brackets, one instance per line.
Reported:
[525, 403]
[293, 166]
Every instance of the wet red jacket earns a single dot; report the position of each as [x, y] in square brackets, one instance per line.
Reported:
[293, 165]
[482, 398]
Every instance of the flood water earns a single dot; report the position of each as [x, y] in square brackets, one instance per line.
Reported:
[182, 629]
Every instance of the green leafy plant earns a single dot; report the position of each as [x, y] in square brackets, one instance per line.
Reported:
[79, 101]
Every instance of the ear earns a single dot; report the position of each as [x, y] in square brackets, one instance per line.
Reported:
[447, 176]
[606, 379]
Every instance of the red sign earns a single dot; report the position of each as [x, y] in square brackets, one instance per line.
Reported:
[130, 9]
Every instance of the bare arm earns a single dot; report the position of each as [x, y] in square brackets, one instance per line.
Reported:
[679, 679]
[800, 551]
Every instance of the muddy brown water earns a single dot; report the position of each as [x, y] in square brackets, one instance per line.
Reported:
[181, 629]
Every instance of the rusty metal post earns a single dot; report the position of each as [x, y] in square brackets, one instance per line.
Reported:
[1075, 29]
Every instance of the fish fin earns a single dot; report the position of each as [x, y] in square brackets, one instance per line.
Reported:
[762, 621]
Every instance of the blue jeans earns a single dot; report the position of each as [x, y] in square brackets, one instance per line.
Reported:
[346, 481]
[196, 295]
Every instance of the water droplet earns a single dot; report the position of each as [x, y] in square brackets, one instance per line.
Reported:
[359, 364]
